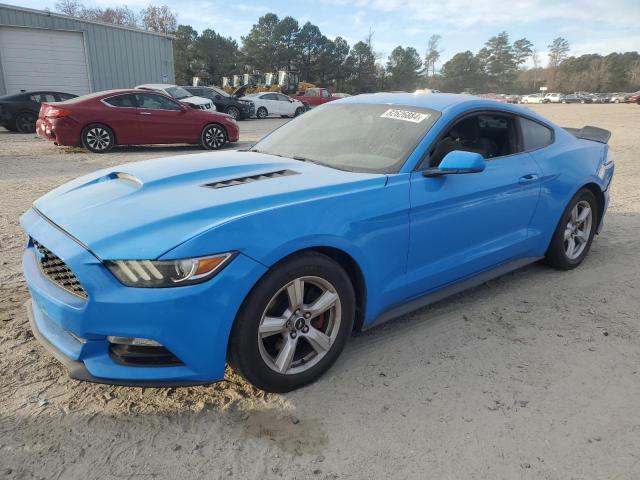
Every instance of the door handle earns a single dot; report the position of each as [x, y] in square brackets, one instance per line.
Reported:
[532, 177]
[145, 113]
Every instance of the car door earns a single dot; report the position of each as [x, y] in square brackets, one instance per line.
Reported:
[286, 105]
[163, 120]
[121, 113]
[463, 224]
[271, 103]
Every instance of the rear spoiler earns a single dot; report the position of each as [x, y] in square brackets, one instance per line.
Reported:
[594, 134]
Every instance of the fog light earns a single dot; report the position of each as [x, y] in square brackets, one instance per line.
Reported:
[133, 341]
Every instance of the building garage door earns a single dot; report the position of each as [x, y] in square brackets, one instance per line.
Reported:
[39, 59]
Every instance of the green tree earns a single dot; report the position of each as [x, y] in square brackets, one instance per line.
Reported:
[309, 44]
[260, 46]
[362, 64]
[432, 55]
[185, 55]
[403, 68]
[462, 72]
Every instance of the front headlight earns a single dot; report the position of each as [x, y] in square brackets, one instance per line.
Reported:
[167, 273]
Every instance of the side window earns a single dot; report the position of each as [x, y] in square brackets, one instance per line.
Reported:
[151, 101]
[42, 97]
[491, 135]
[283, 98]
[128, 101]
[270, 96]
[311, 92]
[535, 135]
[65, 96]
[325, 93]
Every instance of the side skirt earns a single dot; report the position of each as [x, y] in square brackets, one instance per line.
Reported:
[451, 289]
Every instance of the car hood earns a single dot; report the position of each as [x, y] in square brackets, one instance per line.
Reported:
[196, 100]
[142, 210]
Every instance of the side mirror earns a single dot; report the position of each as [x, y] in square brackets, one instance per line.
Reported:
[458, 162]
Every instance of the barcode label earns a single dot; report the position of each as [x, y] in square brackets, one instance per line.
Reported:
[406, 115]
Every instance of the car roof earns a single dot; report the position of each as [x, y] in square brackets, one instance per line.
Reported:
[161, 86]
[102, 94]
[442, 102]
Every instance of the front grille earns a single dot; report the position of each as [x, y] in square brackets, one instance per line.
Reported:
[57, 271]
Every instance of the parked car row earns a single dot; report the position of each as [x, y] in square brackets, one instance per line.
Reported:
[576, 97]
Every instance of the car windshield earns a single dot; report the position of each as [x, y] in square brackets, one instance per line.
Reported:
[177, 92]
[220, 92]
[353, 137]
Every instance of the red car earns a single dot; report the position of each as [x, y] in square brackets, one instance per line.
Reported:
[634, 98]
[132, 117]
[312, 97]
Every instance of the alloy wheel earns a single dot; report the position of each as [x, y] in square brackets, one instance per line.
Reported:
[300, 325]
[214, 137]
[26, 123]
[234, 113]
[98, 138]
[578, 230]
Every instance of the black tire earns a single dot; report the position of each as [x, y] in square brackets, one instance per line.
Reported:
[244, 353]
[556, 255]
[26, 122]
[299, 111]
[234, 112]
[97, 138]
[213, 137]
[262, 113]
[11, 127]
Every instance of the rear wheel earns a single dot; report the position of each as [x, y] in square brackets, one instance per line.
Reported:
[294, 323]
[234, 112]
[575, 231]
[262, 113]
[213, 137]
[26, 122]
[98, 138]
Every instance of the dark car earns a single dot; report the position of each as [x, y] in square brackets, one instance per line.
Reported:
[19, 111]
[229, 104]
[132, 117]
[577, 98]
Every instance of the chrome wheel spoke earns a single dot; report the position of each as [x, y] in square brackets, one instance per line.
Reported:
[322, 304]
[272, 325]
[584, 214]
[285, 357]
[295, 293]
[571, 246]
[318, 340]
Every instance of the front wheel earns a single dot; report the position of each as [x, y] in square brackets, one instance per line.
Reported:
[234, 112]
[575, 231]
[213, 137]
[299, 111]
[294, 323]
[98, 138]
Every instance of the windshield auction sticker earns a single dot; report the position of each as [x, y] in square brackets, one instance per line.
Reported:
[406, 115]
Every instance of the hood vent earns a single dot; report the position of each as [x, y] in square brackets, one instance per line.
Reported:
[253, 178]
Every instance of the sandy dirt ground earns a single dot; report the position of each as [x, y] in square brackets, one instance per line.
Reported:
[531, 376]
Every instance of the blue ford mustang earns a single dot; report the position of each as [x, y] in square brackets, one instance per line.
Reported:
[161, 272]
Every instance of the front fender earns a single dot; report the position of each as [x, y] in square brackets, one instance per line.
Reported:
[370, 225]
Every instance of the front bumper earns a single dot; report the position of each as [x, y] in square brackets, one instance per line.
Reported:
[192, 322]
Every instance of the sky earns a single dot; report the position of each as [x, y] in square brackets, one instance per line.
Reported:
[591, 26]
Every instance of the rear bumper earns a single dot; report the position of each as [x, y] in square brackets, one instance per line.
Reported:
[63, 131]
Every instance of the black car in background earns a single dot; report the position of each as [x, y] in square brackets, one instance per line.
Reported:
[19, 111]
[577, 98]
[230, 104]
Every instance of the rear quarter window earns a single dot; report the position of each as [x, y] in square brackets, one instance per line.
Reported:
[535, 135]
